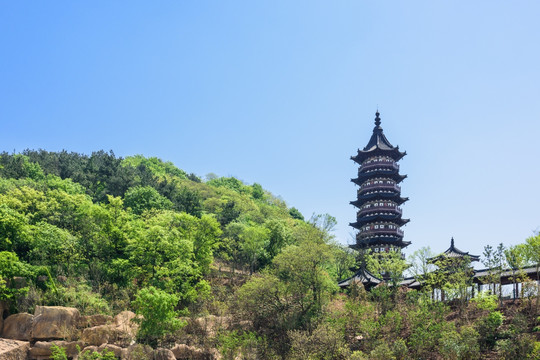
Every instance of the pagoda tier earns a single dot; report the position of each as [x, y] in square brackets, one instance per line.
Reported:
[378, 219]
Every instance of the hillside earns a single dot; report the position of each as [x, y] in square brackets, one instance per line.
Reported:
[222, 267]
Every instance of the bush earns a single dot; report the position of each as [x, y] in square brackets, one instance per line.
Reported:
[58, 353]
[522, 346]
[325, 342]
[158, 317]
[488, 329]
[234, 345]
[485, 301]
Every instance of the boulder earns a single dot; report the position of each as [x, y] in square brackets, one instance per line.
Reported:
[55, 322]
[117, 350]
[70, 346]
[40, 350]
[13, 349]
[163, 354]
[94, 320]
[18, 326]
[89, 350]
[186, 352]
[97, 335]
[138, 352]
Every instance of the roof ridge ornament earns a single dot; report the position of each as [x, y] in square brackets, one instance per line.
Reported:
[452, 242]
[377, 118]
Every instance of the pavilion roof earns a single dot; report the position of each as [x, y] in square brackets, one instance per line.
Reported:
[454, 252]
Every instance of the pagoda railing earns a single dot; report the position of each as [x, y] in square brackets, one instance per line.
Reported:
[371, 209]
[364, 188]
[375, 164]
[364, 233]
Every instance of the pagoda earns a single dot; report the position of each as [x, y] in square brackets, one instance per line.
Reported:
[378, 218]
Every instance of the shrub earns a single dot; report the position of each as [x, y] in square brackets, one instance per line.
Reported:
[58, 353]
[325, 342]
[234, 345]
[158, 317]
[488, 328]
[485, 301]
[521, 346]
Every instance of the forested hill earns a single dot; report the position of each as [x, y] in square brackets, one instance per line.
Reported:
[126, 223]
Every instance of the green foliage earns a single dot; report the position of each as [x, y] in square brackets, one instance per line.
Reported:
[296, 214]
[522, 346]
[140, 199]
[157, 315]
[10, 266]
[485, 301]
[234, 344]
[94, 355]
[388, 265]
[325, 342]
[488, 329]
[58, 353]
[158, 167]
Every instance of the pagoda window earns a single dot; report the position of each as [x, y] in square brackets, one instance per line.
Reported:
[376, 226]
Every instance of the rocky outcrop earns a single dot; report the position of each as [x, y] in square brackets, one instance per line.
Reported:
[163, 354]
[55, 322]
[117, 350]
[186, 352]
[18, 327]
[138, 352]
[13, 349]
[94, 320]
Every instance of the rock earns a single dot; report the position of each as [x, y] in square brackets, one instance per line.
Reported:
[117, 350]
[18, 326]
[97, 335]
[186, 352]
[124, 318]
[89, 350]
[138, 352]
[125, 328]
[13, 349]
[55, 322]
[94, 320]
[40, 350]
[70, 346]
[163, 354]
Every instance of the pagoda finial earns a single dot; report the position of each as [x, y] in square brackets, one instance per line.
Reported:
[452, 242]
[377, 118]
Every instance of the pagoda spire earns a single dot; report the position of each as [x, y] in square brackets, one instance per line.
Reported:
[378, 218]
[377, 119]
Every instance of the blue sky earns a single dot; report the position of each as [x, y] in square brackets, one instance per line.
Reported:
[283, 93]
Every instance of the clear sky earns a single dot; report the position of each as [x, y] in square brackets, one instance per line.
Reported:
[283, 93]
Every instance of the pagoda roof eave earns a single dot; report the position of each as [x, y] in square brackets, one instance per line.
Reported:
[453, 252]
[394, 153]
[361, 276]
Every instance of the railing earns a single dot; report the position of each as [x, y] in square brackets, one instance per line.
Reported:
[381, 231]
[396, 209]
[375, 164]
[379, 186]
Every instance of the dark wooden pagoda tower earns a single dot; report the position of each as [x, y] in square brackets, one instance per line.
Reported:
[378, 219]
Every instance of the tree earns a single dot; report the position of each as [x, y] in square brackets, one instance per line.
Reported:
[516, 258]
[253, 240]
[494, 261]
[141, 198]
[532, 251]
[386, 265]
[157, 316]
[420, 264]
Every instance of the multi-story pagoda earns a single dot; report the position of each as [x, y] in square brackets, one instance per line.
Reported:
[378, 219]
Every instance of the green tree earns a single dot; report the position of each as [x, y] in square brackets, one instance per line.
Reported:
[532, 251]
[157, 316]
[141, 198]
[516, 258]
[253, 240]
